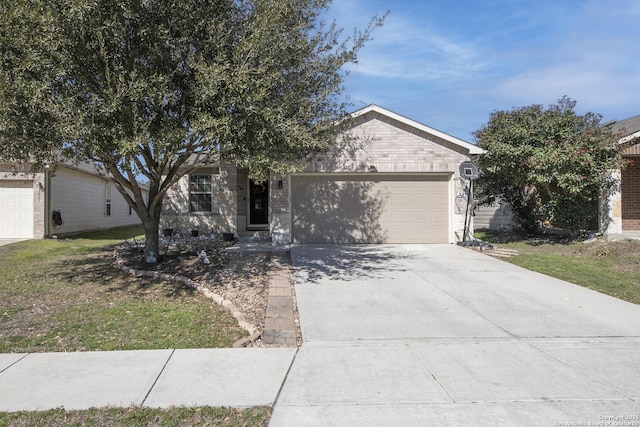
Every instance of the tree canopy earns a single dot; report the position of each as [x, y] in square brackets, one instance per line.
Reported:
[150, 88]
[549, 164]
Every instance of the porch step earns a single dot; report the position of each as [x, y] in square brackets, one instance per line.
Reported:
[254, 236]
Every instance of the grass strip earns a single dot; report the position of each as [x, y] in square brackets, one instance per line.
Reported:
[68, 295]
[612, 268]
[135, 417]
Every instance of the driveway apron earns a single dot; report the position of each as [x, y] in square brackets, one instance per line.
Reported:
[443, 335]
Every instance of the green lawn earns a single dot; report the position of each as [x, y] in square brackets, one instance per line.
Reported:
[68, 295]
[612, 268]
[135, 417]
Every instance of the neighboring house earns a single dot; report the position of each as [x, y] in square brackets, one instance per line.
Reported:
[622, 207]
[498, 216]
[61, 199]
[391, 180]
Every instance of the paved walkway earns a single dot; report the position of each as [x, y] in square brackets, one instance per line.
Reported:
[441, 335]
[280, 318]
[153, 378]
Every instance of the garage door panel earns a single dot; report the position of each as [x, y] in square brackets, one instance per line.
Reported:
[16, 209]
[356, 209]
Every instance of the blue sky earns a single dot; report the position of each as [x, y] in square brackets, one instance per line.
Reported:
[449, 64]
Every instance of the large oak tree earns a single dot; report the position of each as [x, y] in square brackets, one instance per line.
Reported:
[150, 88]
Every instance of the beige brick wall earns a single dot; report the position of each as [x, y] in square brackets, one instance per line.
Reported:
[280, 214]
[224, 218]
[378, 143]
[374, 143]
[387, 145]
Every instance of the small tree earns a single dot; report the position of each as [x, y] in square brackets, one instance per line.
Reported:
[549, 164]
[150, 88]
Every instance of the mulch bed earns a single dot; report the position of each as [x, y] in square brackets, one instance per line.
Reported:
[239, 277]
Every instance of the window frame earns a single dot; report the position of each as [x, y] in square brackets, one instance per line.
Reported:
[107, 200]
[202, 192]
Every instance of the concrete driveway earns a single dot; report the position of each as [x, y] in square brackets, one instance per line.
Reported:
[442, 335]
[4, 242]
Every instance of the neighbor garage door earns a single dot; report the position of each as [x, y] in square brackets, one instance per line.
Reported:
[16, 209]
[370, 208]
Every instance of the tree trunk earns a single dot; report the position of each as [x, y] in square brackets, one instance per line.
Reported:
[151, 239]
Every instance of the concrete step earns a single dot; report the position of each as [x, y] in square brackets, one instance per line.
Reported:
[254, 236]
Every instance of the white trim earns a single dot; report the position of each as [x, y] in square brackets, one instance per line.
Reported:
[373, 174]
[629, 137]
[471, 148]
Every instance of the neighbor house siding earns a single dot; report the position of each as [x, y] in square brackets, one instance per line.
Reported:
[80, 198]
[495, 217]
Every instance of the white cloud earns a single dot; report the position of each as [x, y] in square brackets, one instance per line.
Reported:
[592, 60]
[402, 49]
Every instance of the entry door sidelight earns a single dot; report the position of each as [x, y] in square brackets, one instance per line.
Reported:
[258, 203]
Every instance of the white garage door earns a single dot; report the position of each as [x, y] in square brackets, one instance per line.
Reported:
[16, 209]
[353, 208]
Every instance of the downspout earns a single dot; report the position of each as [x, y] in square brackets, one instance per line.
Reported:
[47, 201]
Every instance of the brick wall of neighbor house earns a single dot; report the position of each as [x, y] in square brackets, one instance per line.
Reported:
[630, 189]
[39, 206]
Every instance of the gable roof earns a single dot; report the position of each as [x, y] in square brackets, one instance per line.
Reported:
[630, 128]
[469, 147]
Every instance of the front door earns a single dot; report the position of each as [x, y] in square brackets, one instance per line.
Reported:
[258, 204]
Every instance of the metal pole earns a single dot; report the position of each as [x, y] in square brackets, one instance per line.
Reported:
[466, 213]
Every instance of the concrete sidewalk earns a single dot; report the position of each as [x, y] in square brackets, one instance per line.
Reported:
[442, 335]
[152, 378]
